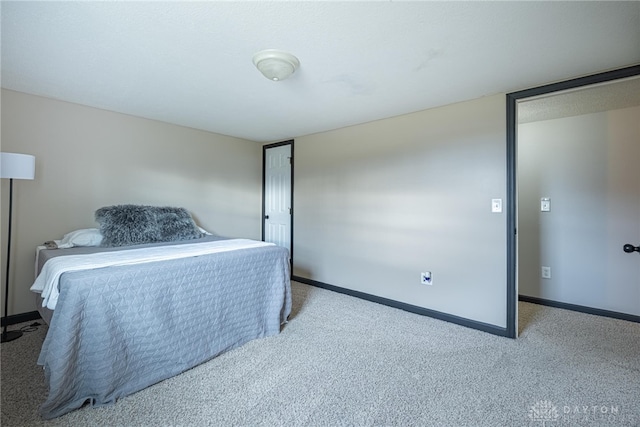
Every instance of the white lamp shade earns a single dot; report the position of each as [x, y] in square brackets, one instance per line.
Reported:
[17, 166]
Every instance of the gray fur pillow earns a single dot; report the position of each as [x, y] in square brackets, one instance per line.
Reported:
[124, 225]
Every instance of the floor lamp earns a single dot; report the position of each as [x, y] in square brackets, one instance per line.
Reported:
[13, 166]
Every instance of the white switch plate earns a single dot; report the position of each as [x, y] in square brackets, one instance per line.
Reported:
[496, 205]
[545, 204]
[546, 272]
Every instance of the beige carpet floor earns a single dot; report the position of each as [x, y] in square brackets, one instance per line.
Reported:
[342, 361]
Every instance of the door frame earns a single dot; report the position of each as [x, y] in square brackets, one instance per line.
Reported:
[264, 176]
[512, 194]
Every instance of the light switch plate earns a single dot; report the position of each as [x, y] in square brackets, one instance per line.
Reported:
[496, 205]
[545, 204]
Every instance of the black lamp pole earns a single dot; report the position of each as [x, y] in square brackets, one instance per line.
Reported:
[8, 335]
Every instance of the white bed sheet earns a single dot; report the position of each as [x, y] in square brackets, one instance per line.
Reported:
[46, 283]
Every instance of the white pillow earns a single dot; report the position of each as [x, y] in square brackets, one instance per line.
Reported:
[84, 237]
[202, 230]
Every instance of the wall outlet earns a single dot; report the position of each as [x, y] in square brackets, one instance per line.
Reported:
[546, 272]
[425, 278]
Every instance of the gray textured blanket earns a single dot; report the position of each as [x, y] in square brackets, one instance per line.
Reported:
[117, 330]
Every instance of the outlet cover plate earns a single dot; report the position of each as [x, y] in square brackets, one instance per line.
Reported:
[545, 272]
[425, 278]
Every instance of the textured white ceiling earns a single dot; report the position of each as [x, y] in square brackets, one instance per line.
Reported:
[189, 63]
[613, 95]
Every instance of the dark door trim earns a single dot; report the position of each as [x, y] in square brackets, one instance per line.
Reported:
[512, 100]
[264, 160]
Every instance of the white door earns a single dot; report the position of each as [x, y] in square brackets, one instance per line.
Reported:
[277, 196]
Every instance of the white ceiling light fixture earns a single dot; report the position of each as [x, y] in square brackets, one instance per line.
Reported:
[275, 64]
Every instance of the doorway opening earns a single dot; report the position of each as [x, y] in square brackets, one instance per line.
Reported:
[513, 226]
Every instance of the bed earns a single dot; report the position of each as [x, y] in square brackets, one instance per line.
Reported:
[118, 328]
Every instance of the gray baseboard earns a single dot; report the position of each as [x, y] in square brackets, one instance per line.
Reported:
[492, 329]
[580, 308]
[19, 318]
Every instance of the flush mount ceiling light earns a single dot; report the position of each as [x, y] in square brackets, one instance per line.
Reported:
[275, 64]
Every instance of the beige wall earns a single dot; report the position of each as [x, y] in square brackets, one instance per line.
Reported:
[87, 158]
[379, 203]
[375, 204]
